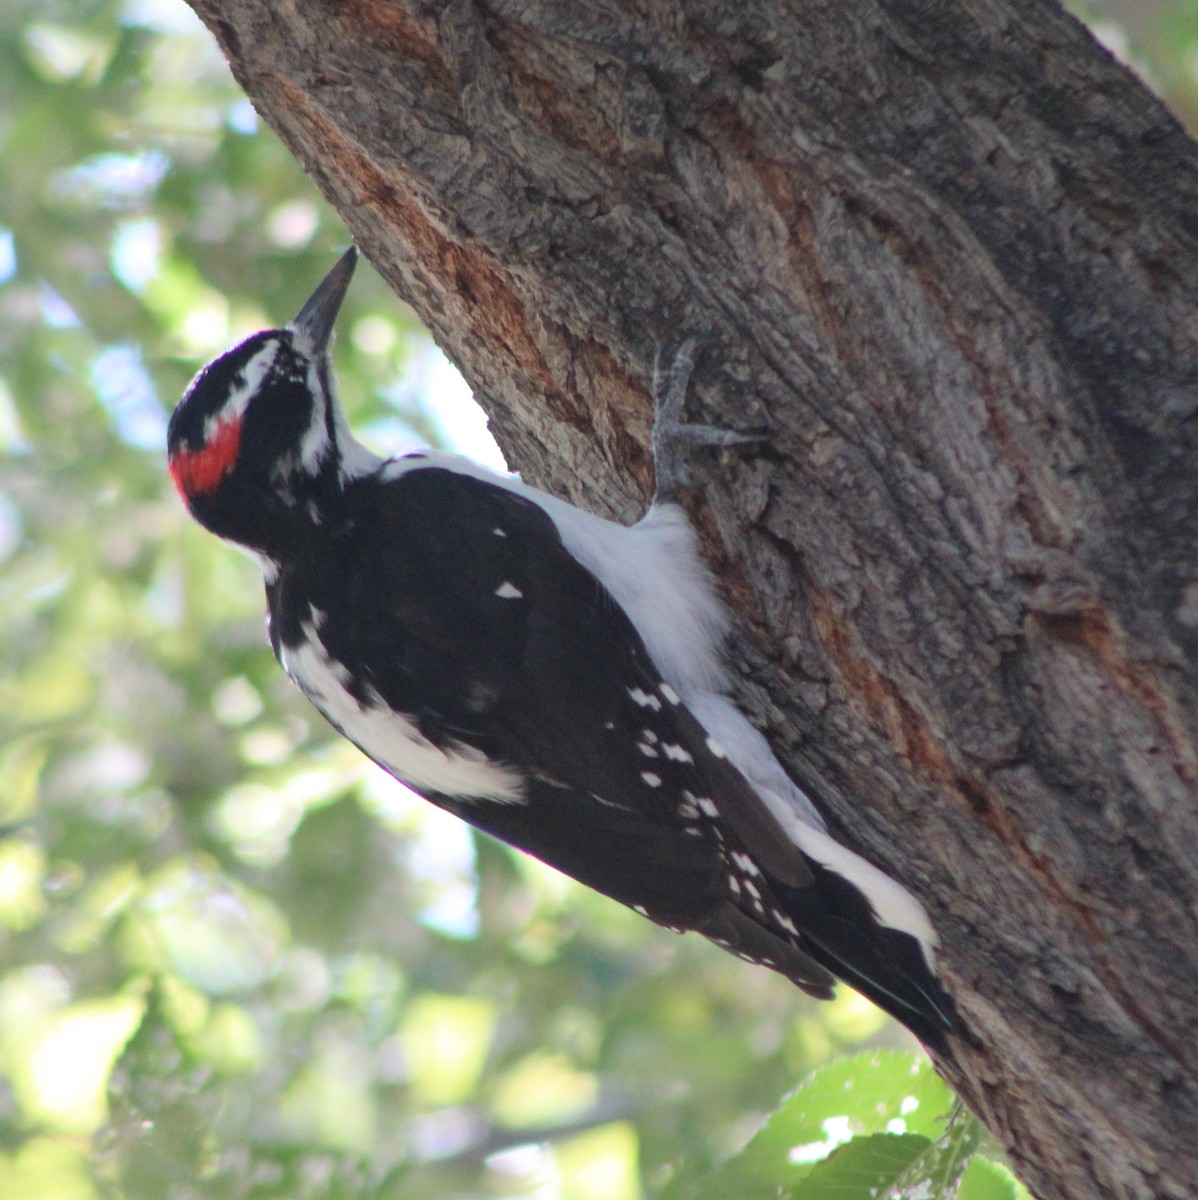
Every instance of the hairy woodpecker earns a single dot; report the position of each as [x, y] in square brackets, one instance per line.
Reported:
[551, 677]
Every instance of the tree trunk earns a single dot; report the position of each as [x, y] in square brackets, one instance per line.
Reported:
[949, 251]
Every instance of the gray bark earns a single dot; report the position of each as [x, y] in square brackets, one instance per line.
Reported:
[949, 249]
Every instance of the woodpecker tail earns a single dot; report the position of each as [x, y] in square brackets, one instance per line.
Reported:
[842, 932]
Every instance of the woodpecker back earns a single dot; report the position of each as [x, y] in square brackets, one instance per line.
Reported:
[553, 678]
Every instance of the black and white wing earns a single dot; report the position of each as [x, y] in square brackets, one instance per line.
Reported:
[499, 678]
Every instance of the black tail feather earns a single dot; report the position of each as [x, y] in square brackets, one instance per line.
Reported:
[900, 984]
[842, 933]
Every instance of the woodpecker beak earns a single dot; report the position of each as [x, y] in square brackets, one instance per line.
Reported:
[313, 326]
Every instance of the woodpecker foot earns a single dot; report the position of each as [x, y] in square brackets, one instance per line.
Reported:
[671, 433]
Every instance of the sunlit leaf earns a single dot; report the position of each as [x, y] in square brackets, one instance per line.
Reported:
[46, 1168]
[61, 52]
[866, 1168]
[985, 1179]
[600, 1164]
[445, 1041]
[21, 766]
[872, 1093]
[209, 929]
[22, 871]
[543, 1089]
[937, 1171]
[61, 1076]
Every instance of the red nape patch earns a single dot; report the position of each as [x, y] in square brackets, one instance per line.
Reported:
[197, 472]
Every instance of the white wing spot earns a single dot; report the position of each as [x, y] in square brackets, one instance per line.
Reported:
[753, 890]
[708, 807]
[648, 735]
[669, 693]
[784, 921]
[734, 885]
[641, 909]
[509, 591]
[644, 699]
[651, 779]
[646, 750]
[678, 753]
[499, 532]
[745, 863]
[716, 748]
[688, 810]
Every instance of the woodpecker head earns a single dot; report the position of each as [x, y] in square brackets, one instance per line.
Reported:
[258, 433]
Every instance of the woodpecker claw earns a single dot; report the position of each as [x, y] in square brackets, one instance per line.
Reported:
[670, 432]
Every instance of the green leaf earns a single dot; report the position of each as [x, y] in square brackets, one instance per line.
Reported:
[986, 1179]
[873, 1093]
[938, 1170]
[864, 1169]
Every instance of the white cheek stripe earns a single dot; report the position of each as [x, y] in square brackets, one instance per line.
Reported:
[250, 379]
[391, 739]
[315, 442]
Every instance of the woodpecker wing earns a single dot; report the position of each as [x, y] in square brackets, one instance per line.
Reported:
[450, 610]
[442, 626]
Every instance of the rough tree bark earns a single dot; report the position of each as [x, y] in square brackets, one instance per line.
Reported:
[950, 250]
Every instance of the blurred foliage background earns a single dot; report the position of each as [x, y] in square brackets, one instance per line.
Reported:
[235, 959]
